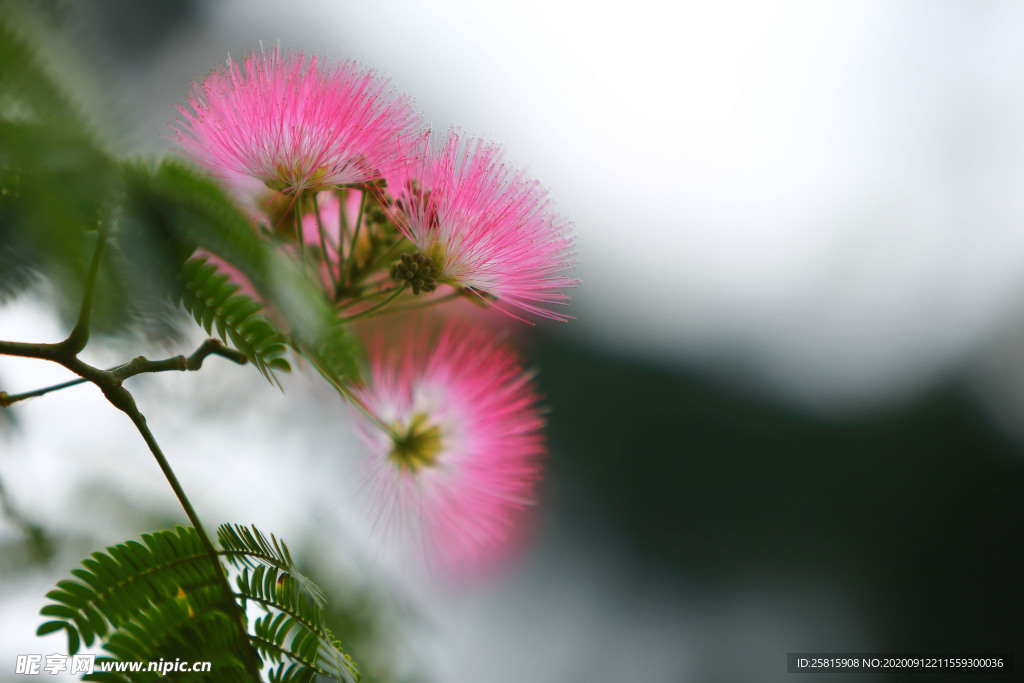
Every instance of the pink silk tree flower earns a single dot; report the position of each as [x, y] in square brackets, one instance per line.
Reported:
[455, 446]
[296, 126]
[485, 227]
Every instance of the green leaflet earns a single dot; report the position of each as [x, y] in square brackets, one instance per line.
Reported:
[294, 624]
[185, 212]
[27, 89]
[334, 351]
[163, 599]
[216, 304]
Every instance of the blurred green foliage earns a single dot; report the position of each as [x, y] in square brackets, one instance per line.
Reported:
[60, 186]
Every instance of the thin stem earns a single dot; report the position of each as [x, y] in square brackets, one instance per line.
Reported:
[342, 236]
[348, 395]
[323, 245]
[7, 400]
[426, 303]
[123, 401]
[300, 241]
[394, 294]
[210, 347]
[357, 292]
[386, 253]
[138, 366]
[355, 237]
[28, 350]
[79, 336]
[364, 299]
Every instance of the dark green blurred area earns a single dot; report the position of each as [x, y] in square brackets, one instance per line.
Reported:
[916, 513]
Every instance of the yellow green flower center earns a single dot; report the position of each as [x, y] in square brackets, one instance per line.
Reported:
[436, 255]
[415, 445]
[287, 178]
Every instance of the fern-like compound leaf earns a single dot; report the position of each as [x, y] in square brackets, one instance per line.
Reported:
[163, 600]
[216, 303]
[293, 628]
[247, 548]
[159, 600]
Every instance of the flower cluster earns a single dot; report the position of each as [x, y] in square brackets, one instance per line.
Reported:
[387, 218]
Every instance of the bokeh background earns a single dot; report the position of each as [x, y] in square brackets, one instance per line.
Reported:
[787, 417]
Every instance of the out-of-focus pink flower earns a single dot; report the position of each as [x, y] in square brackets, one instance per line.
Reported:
[460, 458]
[486, 226]
[295, 125]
